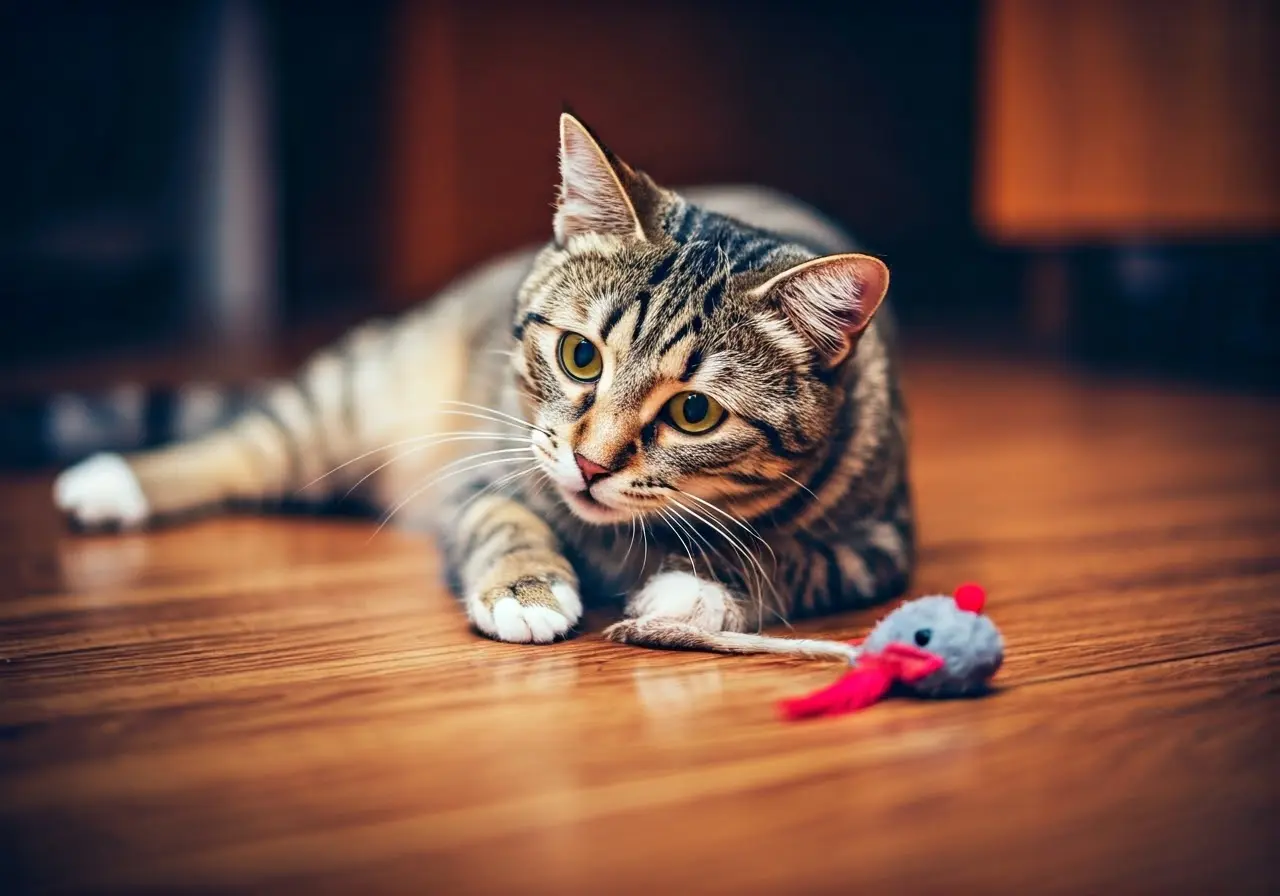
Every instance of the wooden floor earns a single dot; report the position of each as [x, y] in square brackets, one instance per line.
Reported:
[272, 704]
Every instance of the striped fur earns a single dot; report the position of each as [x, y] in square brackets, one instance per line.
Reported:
[460, 417]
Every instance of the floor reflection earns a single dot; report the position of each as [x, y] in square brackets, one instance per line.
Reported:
[534, 675]
[102, 562]
[676, 692]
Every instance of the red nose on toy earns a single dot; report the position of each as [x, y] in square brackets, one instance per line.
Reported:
[970, 598]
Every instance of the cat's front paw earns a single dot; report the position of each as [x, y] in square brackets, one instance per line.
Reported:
[530, 610]
[102, 491]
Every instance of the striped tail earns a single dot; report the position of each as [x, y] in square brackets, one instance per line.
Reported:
[66, 427]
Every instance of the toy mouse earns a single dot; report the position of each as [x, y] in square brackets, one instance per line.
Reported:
[935, 646]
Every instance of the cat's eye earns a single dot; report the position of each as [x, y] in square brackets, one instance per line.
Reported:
[579, 358]
[694, 412]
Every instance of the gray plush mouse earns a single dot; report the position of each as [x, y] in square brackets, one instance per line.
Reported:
[935, 646]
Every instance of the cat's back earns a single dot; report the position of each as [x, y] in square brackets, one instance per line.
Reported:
[774, 211]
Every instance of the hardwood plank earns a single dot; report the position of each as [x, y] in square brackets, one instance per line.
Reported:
[888, 781]
[271, 704]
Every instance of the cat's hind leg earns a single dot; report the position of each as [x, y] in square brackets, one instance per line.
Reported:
[296, 430]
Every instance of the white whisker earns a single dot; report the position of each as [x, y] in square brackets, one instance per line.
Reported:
[503, 414]
[436, 480]
[747, 573]
[695, 536]
[493, 486]
[801, 484]
[729, 536]
[644, 537]
[677, 534]
[443, 441]
[630, 543]
[741, 548]
[422, 438]
[816, 500]
[498, 421]
[738, 521]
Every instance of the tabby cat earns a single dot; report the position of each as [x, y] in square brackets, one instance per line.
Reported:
[684, 400]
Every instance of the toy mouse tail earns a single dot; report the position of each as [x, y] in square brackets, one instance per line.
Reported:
[859, 689]
[806, 648]
[674, 635]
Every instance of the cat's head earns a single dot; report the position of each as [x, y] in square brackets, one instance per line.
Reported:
[676, 356]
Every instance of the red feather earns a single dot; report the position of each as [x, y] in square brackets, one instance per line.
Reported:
[864, 684]
[860, 688]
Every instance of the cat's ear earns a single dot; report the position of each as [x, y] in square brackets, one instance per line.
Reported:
[830, 300]
[595, 188]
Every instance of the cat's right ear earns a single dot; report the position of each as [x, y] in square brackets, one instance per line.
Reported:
[594, 195]
[830, 300]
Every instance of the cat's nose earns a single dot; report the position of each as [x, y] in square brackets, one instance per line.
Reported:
[591, 471]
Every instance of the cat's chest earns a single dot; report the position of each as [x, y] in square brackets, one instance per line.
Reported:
[611, 561]
[614, 561]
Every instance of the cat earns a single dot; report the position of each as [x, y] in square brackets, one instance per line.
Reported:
[689, 401]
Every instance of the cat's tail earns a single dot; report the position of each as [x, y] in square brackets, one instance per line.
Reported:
[65, 427]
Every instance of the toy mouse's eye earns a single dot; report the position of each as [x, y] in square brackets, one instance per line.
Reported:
[923, 636]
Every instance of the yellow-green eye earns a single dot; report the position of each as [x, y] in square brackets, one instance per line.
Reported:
[579, 358]
[694, 412]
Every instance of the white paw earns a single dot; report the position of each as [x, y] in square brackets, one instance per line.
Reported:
[101, 491]
[529, 611]
[681, 595]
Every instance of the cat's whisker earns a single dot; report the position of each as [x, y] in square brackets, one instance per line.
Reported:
[741, 549]
[494, 453]
[494, 486]
[816, 499]
[697, 537]
[683, 525]
[790, 478]
[498, 421]
[503, 414]
[436, 480]
[675, 531]
[748, 575]
[738, 521]
[729, 536]
[413, 439]
[632, 542]
[432, 444]
[644, 538]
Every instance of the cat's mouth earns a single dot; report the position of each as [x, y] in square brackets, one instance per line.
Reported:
[591, 509]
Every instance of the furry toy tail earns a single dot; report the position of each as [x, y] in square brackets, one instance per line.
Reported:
[806, 648]
[866, 683]
[860, 688]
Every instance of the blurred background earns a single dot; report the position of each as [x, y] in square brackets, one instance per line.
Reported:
[217, 182]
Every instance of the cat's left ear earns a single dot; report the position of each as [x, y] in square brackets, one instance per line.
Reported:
[830, 300]
[599, 193]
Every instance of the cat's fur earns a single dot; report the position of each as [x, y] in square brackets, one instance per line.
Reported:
[461, 417]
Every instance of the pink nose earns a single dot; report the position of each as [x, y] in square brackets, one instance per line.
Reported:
[591, 471]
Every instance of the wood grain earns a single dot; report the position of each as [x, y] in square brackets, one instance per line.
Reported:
[280, 705]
